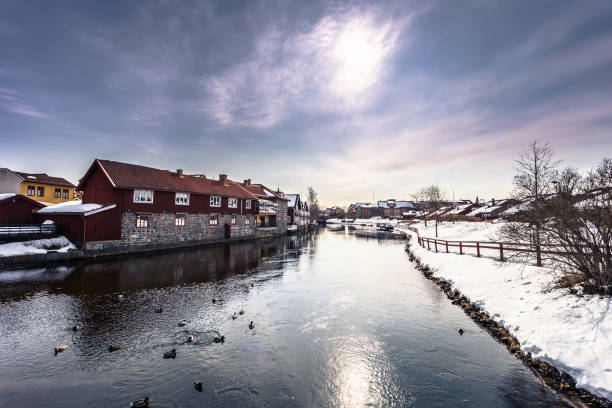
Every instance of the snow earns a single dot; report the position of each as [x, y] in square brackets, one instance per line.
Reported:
[4, 196]
[75, 206]
[572, 333]
[39, 246]
[48, 222]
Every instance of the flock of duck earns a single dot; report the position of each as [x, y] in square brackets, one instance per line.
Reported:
[145, 402]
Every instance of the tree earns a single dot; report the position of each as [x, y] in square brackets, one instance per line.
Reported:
[429, 200]
[420, 198]
[313, 203]
[534, 181]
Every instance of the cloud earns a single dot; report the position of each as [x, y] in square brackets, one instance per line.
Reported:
[329, 68]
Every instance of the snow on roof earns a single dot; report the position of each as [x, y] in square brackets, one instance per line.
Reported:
[4, 196]
[459, 209]
[75, 206]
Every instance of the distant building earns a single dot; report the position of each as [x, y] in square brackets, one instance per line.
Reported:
[16, 209]
[37, 186]
[394, 209]
[297, 211]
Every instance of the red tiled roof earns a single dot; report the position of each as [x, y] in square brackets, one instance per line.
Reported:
[125, 175]
[43, 178]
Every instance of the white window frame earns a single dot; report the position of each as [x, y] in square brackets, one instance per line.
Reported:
[180, 197]
[138, 194]
[234, 220]
[142, 221]
[247, 221]
[247, 204]
[180, 216]
[215, 218]
[232, 202]
[213, 201]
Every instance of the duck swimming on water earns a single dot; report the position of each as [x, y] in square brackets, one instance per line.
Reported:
[220, 339]
[141, 403]
[190, 339]
[112, 348]
[59, 349]
[251, 325]
[170, 354]
[198, 385]
[182, 323]
[234, 316]
[159, 310]
[460, 331]
[241, 312]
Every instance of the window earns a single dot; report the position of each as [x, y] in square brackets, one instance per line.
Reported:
[180, 220]
[142, 221]
[215, 201]
[143, 196]
[31, 191]
[232, 202]
[233, 220]
[247, 222]
[58, 193]
[41, 191]
[66, 194]
[181, 199]
[213, 220]
[248, 204]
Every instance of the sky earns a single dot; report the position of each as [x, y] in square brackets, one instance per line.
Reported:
[357, 99]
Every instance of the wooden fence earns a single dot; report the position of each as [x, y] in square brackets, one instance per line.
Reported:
[463, 247]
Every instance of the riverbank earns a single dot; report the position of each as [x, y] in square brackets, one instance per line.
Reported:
[68, 254]
[571, 333]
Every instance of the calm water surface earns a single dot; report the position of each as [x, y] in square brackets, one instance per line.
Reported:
[340, 321]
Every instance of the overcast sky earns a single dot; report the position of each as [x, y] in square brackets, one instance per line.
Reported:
[353, 98]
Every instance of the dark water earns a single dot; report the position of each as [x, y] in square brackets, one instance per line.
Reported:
[340, 321]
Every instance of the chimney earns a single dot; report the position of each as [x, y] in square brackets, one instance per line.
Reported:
[179, 172]
[247, 182]
[223, 178]
[493, 202]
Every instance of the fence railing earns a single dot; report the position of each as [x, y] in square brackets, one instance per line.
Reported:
[16, 230]
[477, 247]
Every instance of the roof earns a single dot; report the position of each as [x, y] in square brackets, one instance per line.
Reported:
[75, 207]
[261, 191]
[133, 176]
[43, 178]
[398, 204]
[6, 196]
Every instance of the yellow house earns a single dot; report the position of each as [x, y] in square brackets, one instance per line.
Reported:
[41, 187]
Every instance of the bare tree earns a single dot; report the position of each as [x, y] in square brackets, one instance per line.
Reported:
[422, 207]
[435, 199]
[536, 170]
[313, 203]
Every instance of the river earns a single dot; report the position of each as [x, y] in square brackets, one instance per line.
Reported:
[340, 321]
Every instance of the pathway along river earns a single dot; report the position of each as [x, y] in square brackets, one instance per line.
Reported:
[340, 321]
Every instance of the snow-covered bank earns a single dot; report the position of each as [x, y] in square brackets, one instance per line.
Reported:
[573, 334]
[39, 246]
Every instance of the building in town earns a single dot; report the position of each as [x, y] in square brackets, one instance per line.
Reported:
[37, 186]
[271, 212]
[131, 205]
[297, 212]
[16, 209]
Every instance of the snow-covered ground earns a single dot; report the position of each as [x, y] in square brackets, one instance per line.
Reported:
[572, 333]
[39, 246]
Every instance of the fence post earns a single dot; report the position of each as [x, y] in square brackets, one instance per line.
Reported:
[538, 256]
[501, 252]
[478, 249]
[460, 248]
[436, 244]
[447, 247]
[428, 246]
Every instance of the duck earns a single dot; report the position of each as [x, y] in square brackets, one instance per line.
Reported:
[234, 316]
[220, 339]
[241, 312]
[190, 339]
[182, 323]
[170, 354]
[59, 349]
[460, 332]
[159, 310]
[75, 328]
[215, 300]
[198, 385]
[141, 403]
[251, 325]
[112, 348]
